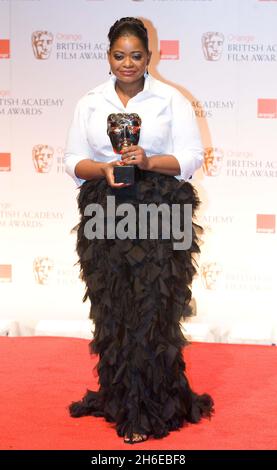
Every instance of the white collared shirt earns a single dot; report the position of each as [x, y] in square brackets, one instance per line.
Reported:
[168, 126]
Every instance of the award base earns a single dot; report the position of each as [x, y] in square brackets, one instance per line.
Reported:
[127, 174]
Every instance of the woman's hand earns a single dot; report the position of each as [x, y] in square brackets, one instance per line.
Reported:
[109, 175]
[135, 155]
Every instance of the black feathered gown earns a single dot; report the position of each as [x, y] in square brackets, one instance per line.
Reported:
[139, 292]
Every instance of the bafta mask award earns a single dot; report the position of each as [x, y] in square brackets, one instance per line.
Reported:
[124, 130]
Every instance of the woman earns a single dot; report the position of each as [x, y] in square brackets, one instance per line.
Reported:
[138, 288]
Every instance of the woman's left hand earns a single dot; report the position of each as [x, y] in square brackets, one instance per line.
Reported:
[135, 155]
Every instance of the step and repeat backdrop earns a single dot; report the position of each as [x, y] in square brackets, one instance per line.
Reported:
[222, 55]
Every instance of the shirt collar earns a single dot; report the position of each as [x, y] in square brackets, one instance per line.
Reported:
[148, 90]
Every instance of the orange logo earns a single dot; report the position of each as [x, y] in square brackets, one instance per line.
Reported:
[210, 273]
[43, 267]
[42, 158]
[5, 272]
[5, 161]
[4, 48]
[267, 108]
[42, 44]
[212, 45]
[213, 159]
[266, 223]
[169, 50]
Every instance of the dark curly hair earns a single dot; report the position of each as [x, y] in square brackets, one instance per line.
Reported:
[128, 26]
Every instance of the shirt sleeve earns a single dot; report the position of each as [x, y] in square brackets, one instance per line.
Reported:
[187, 146]
[77, 145]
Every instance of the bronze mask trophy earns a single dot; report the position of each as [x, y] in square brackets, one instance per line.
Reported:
[124, 130]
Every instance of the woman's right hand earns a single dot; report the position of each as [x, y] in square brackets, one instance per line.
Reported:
[109, 175]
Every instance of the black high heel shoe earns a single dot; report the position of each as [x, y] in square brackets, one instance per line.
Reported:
[136, 438]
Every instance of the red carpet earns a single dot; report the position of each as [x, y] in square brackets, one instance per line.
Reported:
[40, 376]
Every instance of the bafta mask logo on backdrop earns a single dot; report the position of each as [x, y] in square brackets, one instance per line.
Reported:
[210, 274]
[212, 45]
[43, 269]
[42, 44]
[42, 158]
[5, 162]
[213, 160]
[4, 48]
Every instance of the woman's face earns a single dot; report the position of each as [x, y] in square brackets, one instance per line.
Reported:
[128, 59]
